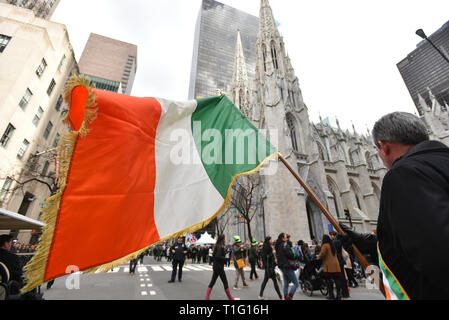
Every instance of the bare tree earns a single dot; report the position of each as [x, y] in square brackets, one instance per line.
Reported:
[35, 170]
[222, 221]
[245, 193]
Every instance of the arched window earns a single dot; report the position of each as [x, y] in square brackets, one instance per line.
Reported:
[351, 158]
[293, 134]
[274, 55]
[357, 194]
[323, 154]
[376, 191]
[369, 162]
[240, 98]
[264, 53]
[335, 192]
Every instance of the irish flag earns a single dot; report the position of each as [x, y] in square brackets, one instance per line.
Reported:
[138, 171]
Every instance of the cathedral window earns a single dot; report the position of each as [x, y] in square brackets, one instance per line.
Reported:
[369, 162]
[274, 56]
[264, 52]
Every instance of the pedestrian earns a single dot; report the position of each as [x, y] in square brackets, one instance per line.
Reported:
[306, 252]
[133, 265]
[284, 253]
[299, 251]
[252, 256]
[331, 267]
[211, 255]
[339, 247]
[239, 252]
[194, 253]
[269, 264]
[178, 252]
[228, 256]
[219, 254]
[200, 250]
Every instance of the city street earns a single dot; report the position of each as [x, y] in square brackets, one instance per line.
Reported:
[151, 283]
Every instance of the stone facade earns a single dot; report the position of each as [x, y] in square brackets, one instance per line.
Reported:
[341, 167]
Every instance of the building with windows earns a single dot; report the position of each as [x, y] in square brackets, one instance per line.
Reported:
[213, 53]
[425, 69]
[42, 8]
[109, 63]
[36, 59]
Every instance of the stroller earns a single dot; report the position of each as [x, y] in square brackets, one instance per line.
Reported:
[311, 278]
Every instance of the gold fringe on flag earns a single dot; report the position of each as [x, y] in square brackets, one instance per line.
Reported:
[36, 268]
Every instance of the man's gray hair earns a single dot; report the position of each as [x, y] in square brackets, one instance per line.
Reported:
[400, 127]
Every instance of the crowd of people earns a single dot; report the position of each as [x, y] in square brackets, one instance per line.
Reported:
[280, 260]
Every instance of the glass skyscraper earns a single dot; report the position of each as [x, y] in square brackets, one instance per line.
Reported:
[425, 68]
[214, 47]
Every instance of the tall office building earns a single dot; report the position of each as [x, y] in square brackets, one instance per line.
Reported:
[42, 8]
[425, 68]
[214, 47]
[111, 64]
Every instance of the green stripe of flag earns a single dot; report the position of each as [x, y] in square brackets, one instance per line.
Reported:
[228, 143]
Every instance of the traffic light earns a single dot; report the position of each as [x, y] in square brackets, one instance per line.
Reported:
[348, 217]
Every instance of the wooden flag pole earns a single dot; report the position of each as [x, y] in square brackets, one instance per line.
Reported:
[329, 217]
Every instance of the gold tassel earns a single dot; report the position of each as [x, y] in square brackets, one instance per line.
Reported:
[36, 267]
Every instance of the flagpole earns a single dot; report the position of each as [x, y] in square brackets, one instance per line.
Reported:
[365, 264]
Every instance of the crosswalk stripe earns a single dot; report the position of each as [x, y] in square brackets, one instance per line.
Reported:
[168, 268]
[142, 269]
[156, 268]
[205, 268]
[192, 268]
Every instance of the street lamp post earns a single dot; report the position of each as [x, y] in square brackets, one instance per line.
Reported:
[423, 35]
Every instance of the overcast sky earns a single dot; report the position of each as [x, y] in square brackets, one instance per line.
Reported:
[344, 52]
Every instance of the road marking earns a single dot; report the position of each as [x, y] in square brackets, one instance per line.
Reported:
[142, 269]
[168, 268]
[144, 293]
[205, 268]
[153, 293]
[115, 270]
[156, 268]
[149, 285]
[193, 268]
[142, 285]
[126, 269]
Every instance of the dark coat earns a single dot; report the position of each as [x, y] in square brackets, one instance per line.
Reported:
[413, 225]
[283, 254]
[180, 251]
[269, 261]
[13, 264]
[219, 255]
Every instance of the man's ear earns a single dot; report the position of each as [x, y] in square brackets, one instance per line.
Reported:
[385, 147]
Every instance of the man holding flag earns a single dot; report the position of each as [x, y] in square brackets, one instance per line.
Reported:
[413, 224]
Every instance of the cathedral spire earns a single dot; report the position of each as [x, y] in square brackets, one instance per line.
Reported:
[268, 26]
[240, 89]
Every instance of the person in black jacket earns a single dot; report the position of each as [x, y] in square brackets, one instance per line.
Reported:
[269, 264]
[284, 253]
[219, 255]
[178, 252]
[11, 260]
[413, 223]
